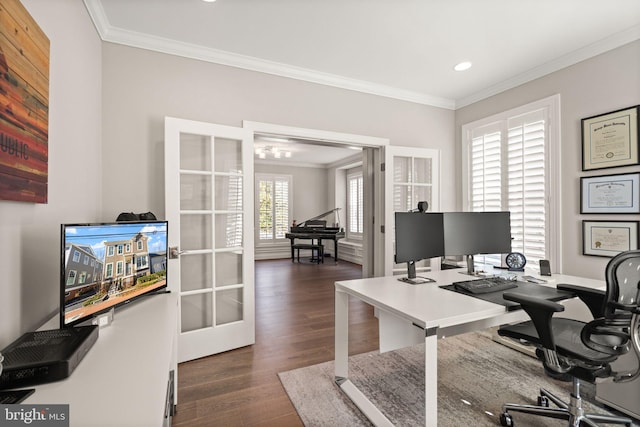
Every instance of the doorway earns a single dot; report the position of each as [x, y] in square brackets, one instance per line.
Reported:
[372, 156]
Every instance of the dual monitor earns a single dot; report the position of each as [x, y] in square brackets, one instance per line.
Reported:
[422, 235]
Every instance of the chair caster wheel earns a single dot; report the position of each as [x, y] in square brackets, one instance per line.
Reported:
[543, 401]
[506, 420]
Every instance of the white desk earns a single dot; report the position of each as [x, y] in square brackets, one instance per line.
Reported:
[122, 381]
[409, 314]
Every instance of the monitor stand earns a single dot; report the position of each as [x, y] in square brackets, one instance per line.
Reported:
[411, 276]
[471, 269]
[103, 319]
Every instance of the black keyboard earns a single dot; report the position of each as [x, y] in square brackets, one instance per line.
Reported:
[484, 286]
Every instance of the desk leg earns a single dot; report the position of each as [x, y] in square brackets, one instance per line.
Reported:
[342, 364]
[431, 378]
[342, 335]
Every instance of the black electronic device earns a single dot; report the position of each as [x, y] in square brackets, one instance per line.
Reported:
[45, 356]
[515, 261]
[473, 233]
[419, 235]
[486, 285]
[105, 265]
[545, 267]
[13, 397]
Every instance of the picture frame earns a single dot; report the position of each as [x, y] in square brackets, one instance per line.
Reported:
[609, 238]
[611, 140]
[612, 194]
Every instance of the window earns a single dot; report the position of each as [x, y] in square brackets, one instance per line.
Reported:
[76, 256]
[109, 271]
[354, 205]
[274, 206]
[119, 268]
[142, 262]
[508, 168]
[71, 279]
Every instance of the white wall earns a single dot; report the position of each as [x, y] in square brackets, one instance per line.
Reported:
[605, 83]
[141, 87]
[30, 233]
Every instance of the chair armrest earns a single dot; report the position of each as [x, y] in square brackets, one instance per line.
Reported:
[592, 298]
[540, 311]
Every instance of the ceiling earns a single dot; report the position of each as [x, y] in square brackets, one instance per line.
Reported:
[305, 153]
[398, 49]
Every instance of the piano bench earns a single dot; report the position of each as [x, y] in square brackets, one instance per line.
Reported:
[317, 249]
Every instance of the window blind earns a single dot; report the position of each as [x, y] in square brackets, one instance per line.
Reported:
[355, 205]
[274, 194]
[507, 172]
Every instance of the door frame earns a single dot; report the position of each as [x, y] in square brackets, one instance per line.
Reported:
[339, 138]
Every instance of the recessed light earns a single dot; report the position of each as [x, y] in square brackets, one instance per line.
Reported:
[209, 1]
[462, 66]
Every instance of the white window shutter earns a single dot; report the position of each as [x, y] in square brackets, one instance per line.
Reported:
[507, 172]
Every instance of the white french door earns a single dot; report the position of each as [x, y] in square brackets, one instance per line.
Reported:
[209, 206]
[412, 175]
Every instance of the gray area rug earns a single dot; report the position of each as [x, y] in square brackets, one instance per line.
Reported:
[475, 377]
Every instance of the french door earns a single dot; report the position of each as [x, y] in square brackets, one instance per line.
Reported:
[412, 175]
[209, 206]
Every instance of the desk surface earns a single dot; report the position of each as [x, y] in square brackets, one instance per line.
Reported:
[429, 306]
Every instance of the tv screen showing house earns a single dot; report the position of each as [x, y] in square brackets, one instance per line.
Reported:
[108, 264]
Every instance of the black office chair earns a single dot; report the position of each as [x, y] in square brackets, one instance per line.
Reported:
[579, 351]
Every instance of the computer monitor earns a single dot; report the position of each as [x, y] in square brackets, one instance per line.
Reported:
[419, 235]
[471, 233]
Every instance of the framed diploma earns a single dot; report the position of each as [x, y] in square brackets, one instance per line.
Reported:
[609, 238]
[610, 140]
[610, 194]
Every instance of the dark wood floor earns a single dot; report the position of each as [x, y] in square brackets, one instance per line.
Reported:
[294, 328]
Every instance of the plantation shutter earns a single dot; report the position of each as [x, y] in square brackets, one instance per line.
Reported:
[486, 171]
[355, 205]
[507, 172]
[274, 195]
[265, 197]
[526, 193]
[281, 208]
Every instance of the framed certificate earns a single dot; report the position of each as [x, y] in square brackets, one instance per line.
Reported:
[610, 194]
[610, 140]
[609, 238]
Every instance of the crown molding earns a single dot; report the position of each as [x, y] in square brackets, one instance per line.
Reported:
[627, 36]
[187, 50]
[116, 35]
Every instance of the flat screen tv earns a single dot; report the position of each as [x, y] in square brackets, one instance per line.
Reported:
[106, 265]
[419, 235]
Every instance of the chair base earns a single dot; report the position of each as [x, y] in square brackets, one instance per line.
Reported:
[571, 412]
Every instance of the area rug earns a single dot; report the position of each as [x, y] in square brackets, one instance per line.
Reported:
[475, 377]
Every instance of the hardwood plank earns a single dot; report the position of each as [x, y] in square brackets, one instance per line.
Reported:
[294, 328]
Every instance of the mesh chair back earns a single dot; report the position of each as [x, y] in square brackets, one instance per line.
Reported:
[623, 279]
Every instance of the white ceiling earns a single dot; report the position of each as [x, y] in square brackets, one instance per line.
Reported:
[403, 49]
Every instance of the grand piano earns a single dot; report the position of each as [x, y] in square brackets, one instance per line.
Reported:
[316, 229]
